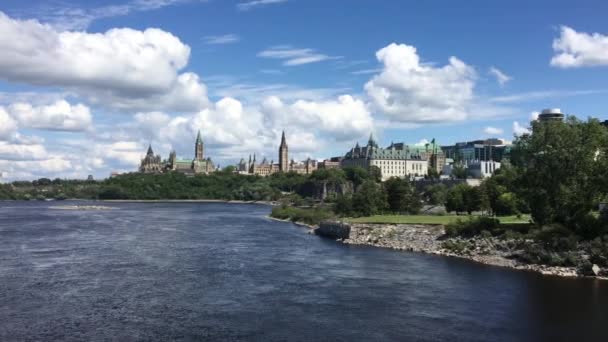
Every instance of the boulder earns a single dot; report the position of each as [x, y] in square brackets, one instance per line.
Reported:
[334, 230]
[595, 269]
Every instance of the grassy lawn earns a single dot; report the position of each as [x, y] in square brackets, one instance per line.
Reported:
[428, 219]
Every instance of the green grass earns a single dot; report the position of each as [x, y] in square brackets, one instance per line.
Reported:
[430, 219]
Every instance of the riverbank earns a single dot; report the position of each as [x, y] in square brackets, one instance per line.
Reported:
[431, 239]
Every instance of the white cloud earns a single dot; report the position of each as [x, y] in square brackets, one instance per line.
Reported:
[579, 49]
[366, 71]
[519, 129]
[492, 130]
[223, 39]
[534, 116]
[544, 94]
[65, 17]
[294, 56]
[501, 77]
[31, 169]
[144, 64]
[409, 91]
[344, 119]
[247, 5]
[17, 151]
[8, 126]
[188, 94]
[59, 116]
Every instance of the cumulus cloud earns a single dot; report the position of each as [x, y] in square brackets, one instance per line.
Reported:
[144, 65]
[31, 169]
[8, 126]
[18, 151]
[410, 91]
[492, 130]
[232, 130]
[579, 49]
[534, 116]
[345, 118]
[59, 116]
[519, 129]
[294, 56]
[501, 77]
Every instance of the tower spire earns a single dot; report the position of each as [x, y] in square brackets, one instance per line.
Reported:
[283, 154]
[199, 150]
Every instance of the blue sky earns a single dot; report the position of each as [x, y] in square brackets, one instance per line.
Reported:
[85, 86]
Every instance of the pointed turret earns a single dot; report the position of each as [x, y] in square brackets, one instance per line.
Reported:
[199, 139]
[371, 141]
[150, 152]
[283, 141]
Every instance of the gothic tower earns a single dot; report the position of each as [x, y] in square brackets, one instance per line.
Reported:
[283, 155]
[198, 147]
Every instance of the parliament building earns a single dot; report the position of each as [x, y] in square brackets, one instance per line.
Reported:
[154, 164]
[265, 168]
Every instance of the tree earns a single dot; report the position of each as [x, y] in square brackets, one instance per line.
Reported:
[463, 198]
[369, 200]
[506, 204]
[432, 173]
[460, 172]
[401, 196]
[344, 205]
[356, 174]
[561, 170]
[375, 173]
[436, 194]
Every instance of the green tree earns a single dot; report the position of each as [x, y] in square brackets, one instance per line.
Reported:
[506, 204]
[369, 200]
[356, 174]
[463, 198]
[460, 172]
[561, 169]
[436, 194]
[401, 196]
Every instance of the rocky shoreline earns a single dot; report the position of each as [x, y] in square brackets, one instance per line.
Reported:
[431, 239]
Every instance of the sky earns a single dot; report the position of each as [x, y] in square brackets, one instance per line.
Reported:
[85, 86]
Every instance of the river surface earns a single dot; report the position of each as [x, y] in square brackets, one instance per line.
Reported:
[225, 272]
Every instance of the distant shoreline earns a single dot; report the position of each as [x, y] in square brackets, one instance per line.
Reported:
[187, 201]
[270, 203]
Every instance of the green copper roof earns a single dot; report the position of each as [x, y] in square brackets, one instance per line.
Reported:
[198, 137]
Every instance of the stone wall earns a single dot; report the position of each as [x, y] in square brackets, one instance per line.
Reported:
[334, 230]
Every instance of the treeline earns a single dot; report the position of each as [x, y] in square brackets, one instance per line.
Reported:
[224, 185]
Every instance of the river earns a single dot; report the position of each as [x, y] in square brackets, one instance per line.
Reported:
[214, 271]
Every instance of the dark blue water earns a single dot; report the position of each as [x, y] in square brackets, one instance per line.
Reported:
[206, 271]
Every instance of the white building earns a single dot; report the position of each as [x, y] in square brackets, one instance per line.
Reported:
[392, 161]
[482, 169]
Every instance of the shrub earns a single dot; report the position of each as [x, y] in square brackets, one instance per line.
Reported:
[311, 216]
[471, 227]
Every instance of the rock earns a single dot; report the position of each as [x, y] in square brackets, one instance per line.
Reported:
[595, 269]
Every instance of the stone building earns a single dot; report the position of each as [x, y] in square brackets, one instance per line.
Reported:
[331, 163]
[266, 168]
[394, 161]
[151, 163]
[200, 164]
